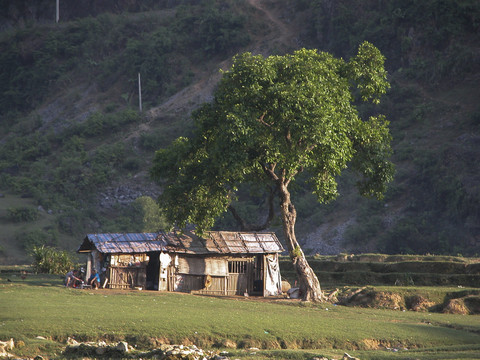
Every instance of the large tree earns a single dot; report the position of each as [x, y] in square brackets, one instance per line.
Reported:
[270, 120]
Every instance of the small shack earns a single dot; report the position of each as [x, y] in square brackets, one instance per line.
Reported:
[220, 263]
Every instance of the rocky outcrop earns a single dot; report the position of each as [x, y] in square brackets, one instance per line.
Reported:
[126, 193]
[6, 346]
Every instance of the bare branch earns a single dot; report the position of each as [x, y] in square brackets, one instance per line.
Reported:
[288, 137]
[269, 169]
[240, 221]
[260, 120]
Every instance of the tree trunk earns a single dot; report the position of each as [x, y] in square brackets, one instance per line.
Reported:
[308, 283]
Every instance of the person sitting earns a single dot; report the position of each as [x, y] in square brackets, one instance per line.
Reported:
[94, 280]
[71, 278]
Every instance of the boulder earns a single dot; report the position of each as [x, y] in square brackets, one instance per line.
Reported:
[5, 346]
[101, 350]
[122, 347]
[71, 341]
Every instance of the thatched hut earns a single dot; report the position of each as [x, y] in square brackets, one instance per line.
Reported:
[220, 263]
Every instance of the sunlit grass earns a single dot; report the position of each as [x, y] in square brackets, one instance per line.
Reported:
[41, 306]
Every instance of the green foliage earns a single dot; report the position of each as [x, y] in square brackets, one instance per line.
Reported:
[271, 119]
[51, 261]
[22, 214]
[57, 164]
[439, 209]
[74, 174]
[33, 58]
[66, 166]
[20, 150]
[213, 29]
[160, 138]
[152, 140]
[147, 216]
[105, 124]
[296, 253]
[430, 52]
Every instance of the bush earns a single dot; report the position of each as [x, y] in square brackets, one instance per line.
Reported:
[22, 214]
[51, 261]
[36, 238]
[147, 215]
[99, 124]
[212, 29]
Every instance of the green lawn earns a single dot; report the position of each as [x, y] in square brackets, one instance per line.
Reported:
[41, 306]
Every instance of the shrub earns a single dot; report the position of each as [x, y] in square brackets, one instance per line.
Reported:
[51, 261]
[22, 214]
[147, 216]
[212, 29]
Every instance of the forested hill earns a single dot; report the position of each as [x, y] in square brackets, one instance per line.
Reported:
[75, 150]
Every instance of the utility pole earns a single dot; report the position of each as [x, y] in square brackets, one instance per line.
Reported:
[57, 15]
[139, 93]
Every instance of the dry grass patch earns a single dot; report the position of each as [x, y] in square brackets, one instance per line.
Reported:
[468, 305]
[419, 303]
[377, 299]
[371, 344]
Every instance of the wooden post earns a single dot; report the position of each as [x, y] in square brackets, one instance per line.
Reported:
[57, 13]
[89, 267]
[139, 93]
[264, 274]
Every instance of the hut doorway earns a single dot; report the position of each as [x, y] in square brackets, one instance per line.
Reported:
[153, 270]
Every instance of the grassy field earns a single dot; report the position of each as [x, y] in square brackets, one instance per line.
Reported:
[40, 306]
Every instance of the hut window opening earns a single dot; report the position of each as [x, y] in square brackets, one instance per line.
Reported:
[237, 267]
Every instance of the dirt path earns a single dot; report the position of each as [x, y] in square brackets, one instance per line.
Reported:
[283, 34]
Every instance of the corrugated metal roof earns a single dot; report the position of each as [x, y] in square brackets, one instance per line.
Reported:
[124, 243]
[224, 242]
[216, 242]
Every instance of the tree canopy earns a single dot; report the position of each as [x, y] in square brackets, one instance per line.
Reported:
[278, 116]
[271, 119]
[148, 217]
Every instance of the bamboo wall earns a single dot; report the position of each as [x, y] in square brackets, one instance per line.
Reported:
[242, 272]
[236, 277]
[127, 277]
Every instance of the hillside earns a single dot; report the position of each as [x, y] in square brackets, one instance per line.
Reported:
[76, 150]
